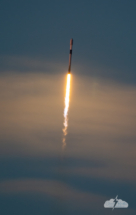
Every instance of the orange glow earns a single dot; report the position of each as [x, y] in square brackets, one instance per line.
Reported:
[67, 96]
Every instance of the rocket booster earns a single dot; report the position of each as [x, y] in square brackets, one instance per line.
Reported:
[70, 56]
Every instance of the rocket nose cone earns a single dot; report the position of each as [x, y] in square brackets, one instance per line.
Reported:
[71, 42]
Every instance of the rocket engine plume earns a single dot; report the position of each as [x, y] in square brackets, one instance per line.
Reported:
[67, 98]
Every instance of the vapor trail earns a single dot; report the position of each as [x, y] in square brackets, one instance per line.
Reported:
[65, 123]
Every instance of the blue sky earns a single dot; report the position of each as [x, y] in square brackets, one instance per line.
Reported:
[104, 33]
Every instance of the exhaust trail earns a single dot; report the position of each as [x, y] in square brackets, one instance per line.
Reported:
[67, 99]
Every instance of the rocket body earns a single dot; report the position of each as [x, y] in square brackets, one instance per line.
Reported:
[70, 55]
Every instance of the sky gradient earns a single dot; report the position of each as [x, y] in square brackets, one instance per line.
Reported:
[99, 160]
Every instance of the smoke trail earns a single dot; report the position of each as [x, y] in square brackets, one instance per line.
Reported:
[65, 123]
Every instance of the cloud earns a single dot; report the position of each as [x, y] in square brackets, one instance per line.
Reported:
[52, 188]
[120, 204]
[31, 110]
[101, 121]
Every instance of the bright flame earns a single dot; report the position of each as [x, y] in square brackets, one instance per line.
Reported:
[66, 110]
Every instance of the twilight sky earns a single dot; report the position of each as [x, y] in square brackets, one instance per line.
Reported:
[99, 161]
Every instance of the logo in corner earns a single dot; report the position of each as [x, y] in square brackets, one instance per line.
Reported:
[115, 203]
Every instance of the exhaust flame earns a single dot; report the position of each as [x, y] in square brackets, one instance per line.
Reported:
[66, 110]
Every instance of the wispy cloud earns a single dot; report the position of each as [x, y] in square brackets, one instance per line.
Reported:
[51, 188]
[101, 121]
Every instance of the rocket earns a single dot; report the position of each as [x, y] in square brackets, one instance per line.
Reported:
[70, 56]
